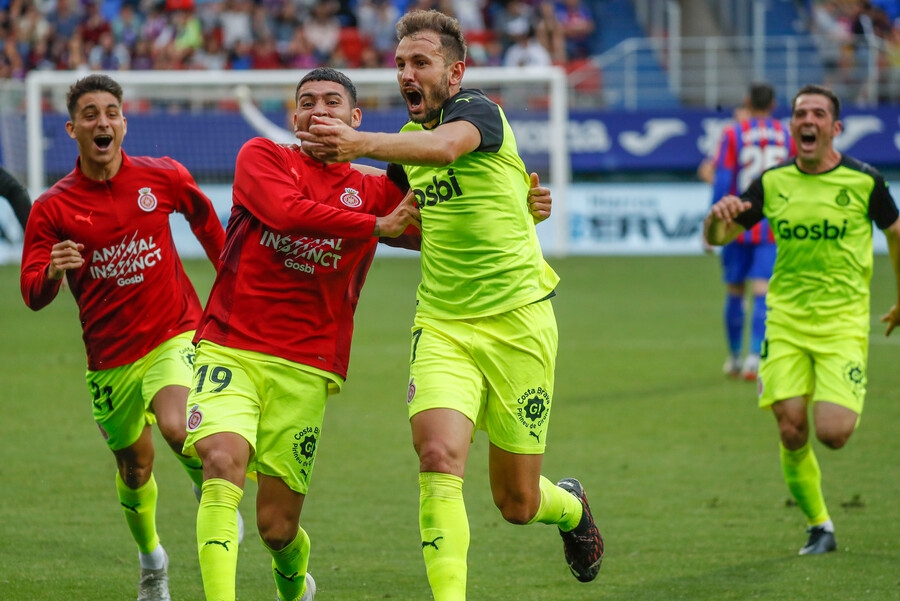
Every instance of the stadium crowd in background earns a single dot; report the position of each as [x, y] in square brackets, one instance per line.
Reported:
[112, 35]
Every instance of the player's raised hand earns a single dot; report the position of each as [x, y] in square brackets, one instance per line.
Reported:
[539, 200]
[406, 214]
[330, 140]
[727, 208]
[64, 256]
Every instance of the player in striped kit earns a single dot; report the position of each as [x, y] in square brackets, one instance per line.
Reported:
[747, 148]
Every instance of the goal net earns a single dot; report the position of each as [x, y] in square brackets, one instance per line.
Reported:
[201, 119]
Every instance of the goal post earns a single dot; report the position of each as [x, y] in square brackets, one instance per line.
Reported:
[201, 118]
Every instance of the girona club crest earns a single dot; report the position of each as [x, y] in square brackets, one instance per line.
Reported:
[146, 199]
[351, 198]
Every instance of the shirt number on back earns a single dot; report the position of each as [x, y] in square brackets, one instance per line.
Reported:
[756, 159]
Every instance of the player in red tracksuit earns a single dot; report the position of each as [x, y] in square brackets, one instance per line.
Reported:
[105, 228]
[274, 340]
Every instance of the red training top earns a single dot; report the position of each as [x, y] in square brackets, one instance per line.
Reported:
[298, 247]
[132, 291]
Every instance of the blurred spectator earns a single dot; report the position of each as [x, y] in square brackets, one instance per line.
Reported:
[578, 28]
[550, 32]
[512, 13]
[241, 56]
[322, 29]
[30, 27]
[11, 64]
[66, 19]
[94, 24]
[142, 55]
[299, 54]
[285, 22]
[262, 22]
[187, 35]
[236, 23]
[834, 38]
[871, 22]
[211, 56]
[108, 55]
[41, 57]
[377, 19]
[265, 54]
[469, 13]
[126, 26]
[526, 50]
[155, 24]
[75, 56]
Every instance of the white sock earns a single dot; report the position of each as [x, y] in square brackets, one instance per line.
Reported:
[154, 560]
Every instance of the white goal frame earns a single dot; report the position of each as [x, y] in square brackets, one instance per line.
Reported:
[37, 82]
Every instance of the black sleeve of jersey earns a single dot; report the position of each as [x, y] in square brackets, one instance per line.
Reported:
[754, 195]
[397, 175]
[882, 208]
[480, 111]
[16, 194]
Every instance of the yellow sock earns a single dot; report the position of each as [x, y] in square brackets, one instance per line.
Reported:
[194, 468]
[804, 480]
[217, 538]
[289, 567]
[558, 506]
[445, 534]
[139, 506]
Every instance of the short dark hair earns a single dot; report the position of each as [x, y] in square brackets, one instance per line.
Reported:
[96, 82]
[453, 44]
[329, 74]
[821, 91]
[761, 95]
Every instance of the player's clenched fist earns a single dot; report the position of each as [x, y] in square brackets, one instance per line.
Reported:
[64, 255]
[728, 207]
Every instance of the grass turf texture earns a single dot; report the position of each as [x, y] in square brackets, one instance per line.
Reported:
[680, 466]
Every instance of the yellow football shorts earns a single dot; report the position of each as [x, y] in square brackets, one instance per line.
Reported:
[122, 395]
[829, 368]
[275, 404]
[496, 370]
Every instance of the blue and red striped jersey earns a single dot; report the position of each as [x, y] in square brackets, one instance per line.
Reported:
[748, 148]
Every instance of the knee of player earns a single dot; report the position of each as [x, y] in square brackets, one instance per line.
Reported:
[434, 456]
[793, 435]
[135, 475]
[276, 533]
[517, 508]
[833, 439]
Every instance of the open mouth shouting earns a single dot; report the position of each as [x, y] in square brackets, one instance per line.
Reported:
[808, 139]
[103, 142]
[415, 100]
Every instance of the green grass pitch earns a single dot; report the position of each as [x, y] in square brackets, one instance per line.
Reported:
[681, 467]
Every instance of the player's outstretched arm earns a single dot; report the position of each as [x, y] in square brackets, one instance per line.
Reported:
[892, 318]
[331, 140]
[719, 227]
